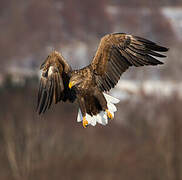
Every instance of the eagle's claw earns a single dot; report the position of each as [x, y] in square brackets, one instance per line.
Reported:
[109, 115]
[84, 122]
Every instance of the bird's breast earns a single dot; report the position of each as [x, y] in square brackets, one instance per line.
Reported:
[88, 81]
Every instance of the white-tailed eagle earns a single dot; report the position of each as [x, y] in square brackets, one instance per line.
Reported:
[115, 54]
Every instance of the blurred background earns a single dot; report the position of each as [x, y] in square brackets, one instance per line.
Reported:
[143, 142]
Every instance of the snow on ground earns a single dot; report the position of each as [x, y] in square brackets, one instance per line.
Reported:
[126, 88]
[175, 17]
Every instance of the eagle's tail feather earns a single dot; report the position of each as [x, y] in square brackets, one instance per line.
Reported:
[101, 117]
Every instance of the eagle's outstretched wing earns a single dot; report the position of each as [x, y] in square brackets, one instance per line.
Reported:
[54, 82]
[118, 51]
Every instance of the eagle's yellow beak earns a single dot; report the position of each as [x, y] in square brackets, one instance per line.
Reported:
[70, 84]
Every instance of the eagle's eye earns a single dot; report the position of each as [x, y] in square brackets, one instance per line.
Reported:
[75, 80]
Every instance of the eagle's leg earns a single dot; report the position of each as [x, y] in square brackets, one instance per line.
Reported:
[102, 100]
[81, 103]
[109, 115]
[84, 122]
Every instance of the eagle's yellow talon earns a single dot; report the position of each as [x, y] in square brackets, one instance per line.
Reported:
[85, 122]
[109, 115]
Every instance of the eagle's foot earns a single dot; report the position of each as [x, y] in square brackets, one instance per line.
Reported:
[84, 122]
[109, 115]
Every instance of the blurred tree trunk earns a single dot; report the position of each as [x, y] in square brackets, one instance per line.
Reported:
[176, 149]
[176, 143]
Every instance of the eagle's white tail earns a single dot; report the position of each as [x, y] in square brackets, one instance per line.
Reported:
[102, 116]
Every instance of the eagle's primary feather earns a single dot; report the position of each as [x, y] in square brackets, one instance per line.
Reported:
[115, 54]
[54, 82]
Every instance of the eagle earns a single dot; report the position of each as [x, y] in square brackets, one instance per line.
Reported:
[89, 86]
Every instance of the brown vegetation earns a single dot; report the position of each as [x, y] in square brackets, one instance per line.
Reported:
[29, 28]
[142, 142]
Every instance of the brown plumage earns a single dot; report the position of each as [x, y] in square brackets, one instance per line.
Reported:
[115, 54]
[54, 82]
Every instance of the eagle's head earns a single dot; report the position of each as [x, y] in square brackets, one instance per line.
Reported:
[76, 79]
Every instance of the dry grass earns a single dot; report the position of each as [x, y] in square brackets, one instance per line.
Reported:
[142, 142]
